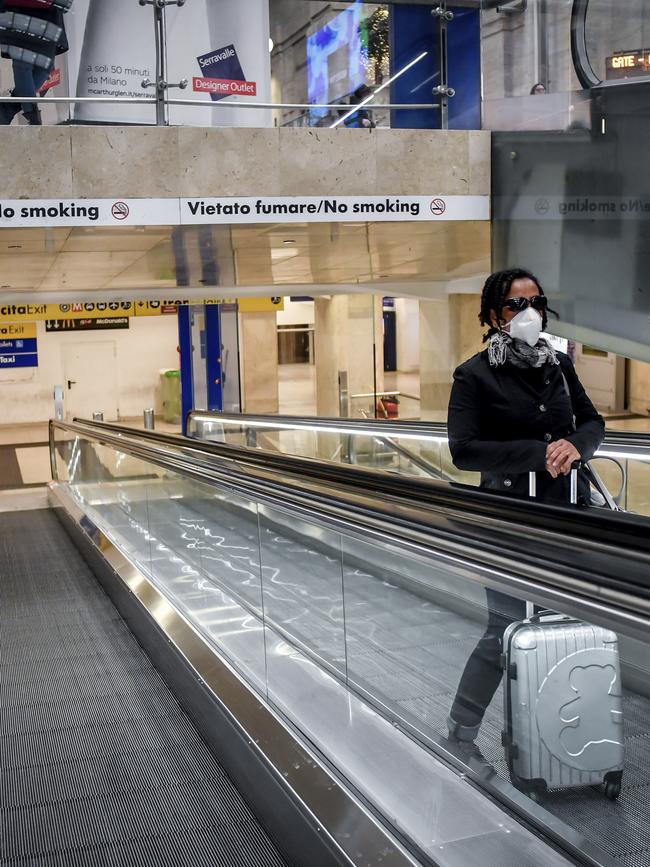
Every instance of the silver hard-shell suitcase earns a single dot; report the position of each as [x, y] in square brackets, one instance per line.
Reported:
[563, 705]
[563, 701]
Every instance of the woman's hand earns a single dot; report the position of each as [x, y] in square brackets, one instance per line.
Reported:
[560, 456]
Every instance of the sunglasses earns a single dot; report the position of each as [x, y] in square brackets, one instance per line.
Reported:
[537, 302]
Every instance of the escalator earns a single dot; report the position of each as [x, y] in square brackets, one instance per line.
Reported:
[100, 765]
[344, 603]
[621, 467]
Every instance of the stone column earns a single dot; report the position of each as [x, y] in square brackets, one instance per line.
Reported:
[449, 334]
[347, 337]
[258, 350]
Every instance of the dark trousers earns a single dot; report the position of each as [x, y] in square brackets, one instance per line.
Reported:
[28, 80]
[483, 672]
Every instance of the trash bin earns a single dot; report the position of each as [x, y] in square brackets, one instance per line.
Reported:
[170, 388]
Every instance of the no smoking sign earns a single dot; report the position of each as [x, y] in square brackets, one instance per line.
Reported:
[120, 210]
[438, 207]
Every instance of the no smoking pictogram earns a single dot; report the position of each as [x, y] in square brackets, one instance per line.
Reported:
[120, 210]
[438, 207]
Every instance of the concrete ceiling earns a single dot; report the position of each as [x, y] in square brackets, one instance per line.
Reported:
[126, 263]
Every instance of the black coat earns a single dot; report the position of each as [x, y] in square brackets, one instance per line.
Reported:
[502, 418]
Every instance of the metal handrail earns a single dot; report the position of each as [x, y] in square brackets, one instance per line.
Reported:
[150, 100]
[618, 445]
[627, 441]
[598, 567]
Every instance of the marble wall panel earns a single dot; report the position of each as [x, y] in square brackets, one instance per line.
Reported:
[129, 162]
[35, 162]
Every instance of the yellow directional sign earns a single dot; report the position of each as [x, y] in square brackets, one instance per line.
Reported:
[17, 331]
[260, 305]
[14, 313]
[39, 312]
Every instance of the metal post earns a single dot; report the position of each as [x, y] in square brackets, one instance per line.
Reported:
[149, 420]
[541, 12]
[444, 16]
[58, 402]
[344, 396]
[161, 84]
[444, 66]
[162, 118]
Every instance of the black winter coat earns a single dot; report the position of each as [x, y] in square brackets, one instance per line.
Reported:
[501, 420]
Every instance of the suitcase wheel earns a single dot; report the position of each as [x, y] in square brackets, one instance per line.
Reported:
[613, 790]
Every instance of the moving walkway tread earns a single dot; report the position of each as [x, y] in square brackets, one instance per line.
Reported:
[100, 765]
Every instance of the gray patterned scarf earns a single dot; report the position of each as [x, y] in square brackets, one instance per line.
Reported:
[503, 348]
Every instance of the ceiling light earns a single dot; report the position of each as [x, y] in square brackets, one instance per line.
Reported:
[271, 45]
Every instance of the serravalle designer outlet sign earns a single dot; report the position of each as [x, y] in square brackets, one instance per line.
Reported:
[39, 213]
[219, 46]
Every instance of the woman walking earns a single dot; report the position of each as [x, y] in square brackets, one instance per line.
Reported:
[515, 408]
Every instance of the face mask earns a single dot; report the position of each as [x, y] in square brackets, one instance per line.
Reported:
[526, 326]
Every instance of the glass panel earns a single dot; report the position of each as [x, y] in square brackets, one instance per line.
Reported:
[417, 454]
[424, 642]
[373, 651]
[618, 38]
[302, 585]
[198, 544]
[527, 74]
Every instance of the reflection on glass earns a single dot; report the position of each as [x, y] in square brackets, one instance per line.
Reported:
[302, 584]
[327, 623]
[551, 705]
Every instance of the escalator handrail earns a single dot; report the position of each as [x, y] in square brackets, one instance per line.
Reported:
[437, 431]
[588, 525]
[601, 574]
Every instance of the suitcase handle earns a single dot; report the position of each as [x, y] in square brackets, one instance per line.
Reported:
[532, 483]
[547, 612]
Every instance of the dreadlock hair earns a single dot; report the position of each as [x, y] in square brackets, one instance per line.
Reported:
[496, 289]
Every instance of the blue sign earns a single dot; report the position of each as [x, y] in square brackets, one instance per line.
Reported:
[25, 344]
[18, 359]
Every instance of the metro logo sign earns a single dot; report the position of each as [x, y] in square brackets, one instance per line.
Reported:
[224, 87]
[222, 75]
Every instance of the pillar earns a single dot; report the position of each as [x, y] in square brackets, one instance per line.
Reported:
[347, 338]
[449, 334]
[258, 346]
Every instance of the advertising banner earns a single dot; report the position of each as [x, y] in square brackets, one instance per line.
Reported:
[219, 46]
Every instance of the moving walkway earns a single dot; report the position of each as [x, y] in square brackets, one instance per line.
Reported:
[314, 618]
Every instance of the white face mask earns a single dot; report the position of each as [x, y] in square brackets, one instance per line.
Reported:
[526, 326]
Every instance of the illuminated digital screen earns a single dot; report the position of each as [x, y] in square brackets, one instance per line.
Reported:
[628, 64]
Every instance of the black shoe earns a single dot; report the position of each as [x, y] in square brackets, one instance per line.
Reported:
[8, 111]
[468, 751]
[471, 756]
[33, 117]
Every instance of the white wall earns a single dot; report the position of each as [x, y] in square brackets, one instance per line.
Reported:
[142, 351]
[407, 320]
[296, 313]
